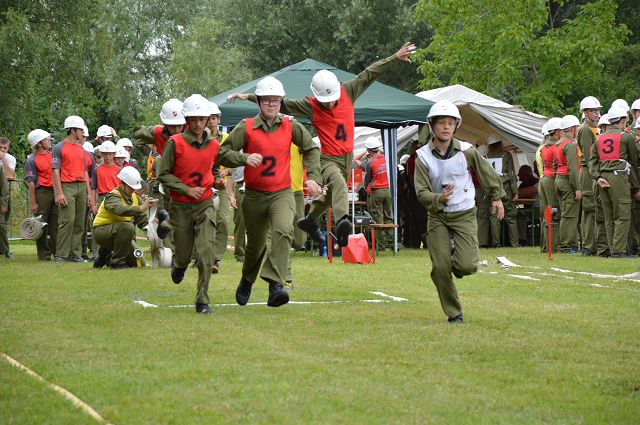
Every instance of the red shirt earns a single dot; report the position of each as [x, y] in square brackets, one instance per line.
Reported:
[379, 172]
[38, 169]
[274, 173]
[335, 127]
[70, 159]
[194, 167]
[106, 178]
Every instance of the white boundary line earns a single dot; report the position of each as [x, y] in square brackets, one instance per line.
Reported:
[66, 394]
[145, 304]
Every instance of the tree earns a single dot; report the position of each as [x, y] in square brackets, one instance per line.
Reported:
[520, 50]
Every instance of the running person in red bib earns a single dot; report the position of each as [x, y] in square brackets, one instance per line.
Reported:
[187, 169]
[331, 112]
[268, 204]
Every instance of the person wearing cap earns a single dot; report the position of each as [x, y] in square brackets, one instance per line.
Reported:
[224, 188]
[587, 134]
[105, 178]
[4, 207]
[38, 176]
[269, 204]
[502, 162]
[332, 114]
[188, 160]
[121, 157]
[126, 144]
[547, 195]
[376, 179]
[613, 165]
[71, 189]
[566, 158]
[113, 226]
[106, 133]
[445, 187]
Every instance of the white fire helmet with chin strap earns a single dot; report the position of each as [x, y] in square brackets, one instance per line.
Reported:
[444, 108]
[122, 153]
[589, 102]
[213, 107]
[622, 104]
[108, 147]
[73, 121]
[604, 120]
[131, 177]
[88, 147]
[104, 131]
[36, 136]
[544, 130]
[124, 143]
[196, 105]
[635, 105]
[269, 86]
[171, 112]
[616, 113]
[569, 121]
[554, 124]
[325, 86]
[372, 143]
[85, 131]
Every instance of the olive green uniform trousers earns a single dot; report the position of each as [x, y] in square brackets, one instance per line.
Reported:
[194, 230]
[588, 213]
[462, 227]
[48, 209]
[616, 203]
[548, 196]
[335, 172]
[511, 219]
[380, 209]
[602, 245]
[265, 213]
[222, 225]
[71, 220]
[569, 209]
[117, 238]
[238, 222]
[483, 205]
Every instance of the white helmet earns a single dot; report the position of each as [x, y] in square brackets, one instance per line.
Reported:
[544, 129]
[404, 158]
[372, 143]
[104, 131]
[604, 120]
[621, 103]
[444, 108]
[85, 131]
[635, 105]
[36, 136]
[616, 112]
[589, 102]
[131, 177]
[637, 124]
[171, 112]
[124, 142]
[196, 105]
[214, 109]
[554, 124]
[108, 147]
[88, 147]
[325, 86]
[569, 121]
[269, 86]
[73, 121]
[121, 153]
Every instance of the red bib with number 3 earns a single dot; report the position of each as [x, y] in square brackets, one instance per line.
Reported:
[194, 167]
[334, 126]
[274, 173]
[609, 147]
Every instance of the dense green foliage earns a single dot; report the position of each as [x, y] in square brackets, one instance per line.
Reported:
[117, 61]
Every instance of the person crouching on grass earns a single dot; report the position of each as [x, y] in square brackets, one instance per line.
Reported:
[444, 186]
[113, 227]
[187, 170]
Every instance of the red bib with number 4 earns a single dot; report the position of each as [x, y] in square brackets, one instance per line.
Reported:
[609, 147]
[194, 167]
[334, 126]
[274, 173]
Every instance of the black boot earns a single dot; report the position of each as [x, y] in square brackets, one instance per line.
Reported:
[203, 309]
[343, 230]
[243, 292]
[101, 259]
[310, 226]
[277, 295]
[177, 274]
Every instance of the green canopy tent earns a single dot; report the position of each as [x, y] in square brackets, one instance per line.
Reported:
[380, 106]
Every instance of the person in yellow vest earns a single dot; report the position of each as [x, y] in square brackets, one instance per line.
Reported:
[113, 227]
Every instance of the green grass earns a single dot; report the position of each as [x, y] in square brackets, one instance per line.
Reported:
[554, 350]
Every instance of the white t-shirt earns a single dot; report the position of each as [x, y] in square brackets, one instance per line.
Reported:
[11, 160]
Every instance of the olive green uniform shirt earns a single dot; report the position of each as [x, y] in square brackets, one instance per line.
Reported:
[628, 153]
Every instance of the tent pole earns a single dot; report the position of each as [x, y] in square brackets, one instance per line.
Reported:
[390, 142]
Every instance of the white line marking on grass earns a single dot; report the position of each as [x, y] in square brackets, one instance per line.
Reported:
[602, 276]
[382, 294]
[66, 394]
[523, 277]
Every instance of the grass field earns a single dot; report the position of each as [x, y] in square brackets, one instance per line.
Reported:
[537, 346]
